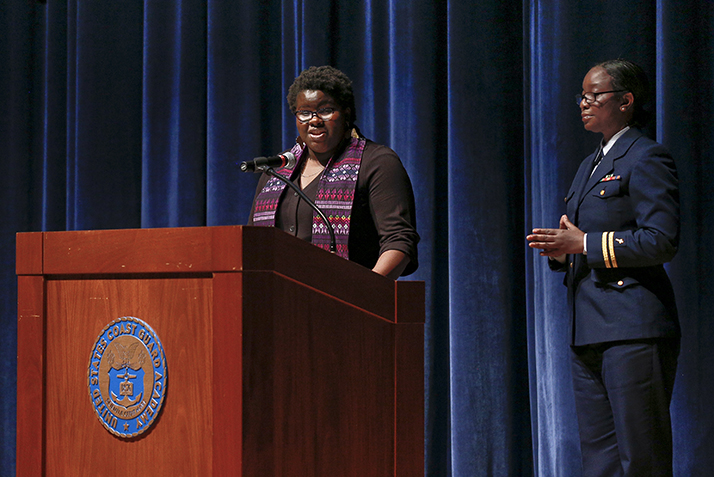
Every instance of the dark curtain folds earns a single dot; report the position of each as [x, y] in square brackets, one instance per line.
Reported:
[685, 67]
[134, 114]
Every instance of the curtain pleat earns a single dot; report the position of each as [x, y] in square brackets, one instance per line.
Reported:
[686, 68]
[173, 179]
[135, 113]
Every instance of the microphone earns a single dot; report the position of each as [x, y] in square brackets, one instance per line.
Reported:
[264, 165]
[286, 159]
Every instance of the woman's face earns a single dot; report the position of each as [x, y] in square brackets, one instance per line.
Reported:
[321, 137]
[603, 115]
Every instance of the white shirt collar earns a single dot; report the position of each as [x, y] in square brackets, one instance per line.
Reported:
[613, 139]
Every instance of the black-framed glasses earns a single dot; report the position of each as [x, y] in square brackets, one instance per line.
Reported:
[306, 116]
[591, 98]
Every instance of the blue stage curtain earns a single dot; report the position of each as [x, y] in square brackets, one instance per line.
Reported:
[134, 114]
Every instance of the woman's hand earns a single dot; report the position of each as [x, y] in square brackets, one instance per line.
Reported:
[557, 242]
[391, 264]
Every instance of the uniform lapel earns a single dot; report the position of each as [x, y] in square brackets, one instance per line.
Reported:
[576, 191]
[607, 165]
[602, 170]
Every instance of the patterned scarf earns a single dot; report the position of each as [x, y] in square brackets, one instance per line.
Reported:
[335, 194]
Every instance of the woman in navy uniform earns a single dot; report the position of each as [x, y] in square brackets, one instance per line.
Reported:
[621, 225]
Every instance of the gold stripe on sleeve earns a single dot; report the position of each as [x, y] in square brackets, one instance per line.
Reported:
[605, 255]
[611, 244]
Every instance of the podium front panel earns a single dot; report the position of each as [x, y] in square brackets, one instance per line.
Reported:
[179, 311]
[282, 359]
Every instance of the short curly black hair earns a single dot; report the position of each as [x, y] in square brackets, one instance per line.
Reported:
[330, 81]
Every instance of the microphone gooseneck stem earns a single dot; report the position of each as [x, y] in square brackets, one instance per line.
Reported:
[271, 172]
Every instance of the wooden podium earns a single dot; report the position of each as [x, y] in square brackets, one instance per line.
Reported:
[282, 359]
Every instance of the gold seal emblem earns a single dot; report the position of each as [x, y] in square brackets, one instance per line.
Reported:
[127, 377]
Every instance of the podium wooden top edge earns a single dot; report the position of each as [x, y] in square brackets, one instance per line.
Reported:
[216, 249]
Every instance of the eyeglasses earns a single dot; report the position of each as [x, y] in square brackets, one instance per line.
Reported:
[306, 116]
[591, 98]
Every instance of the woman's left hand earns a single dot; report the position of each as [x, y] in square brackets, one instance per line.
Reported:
[391, 264]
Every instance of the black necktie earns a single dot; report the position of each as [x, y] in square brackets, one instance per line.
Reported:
[596, 161]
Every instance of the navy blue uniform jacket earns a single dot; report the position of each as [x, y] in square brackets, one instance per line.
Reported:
[630, 210]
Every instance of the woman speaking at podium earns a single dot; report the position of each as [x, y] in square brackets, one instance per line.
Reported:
[362, 187]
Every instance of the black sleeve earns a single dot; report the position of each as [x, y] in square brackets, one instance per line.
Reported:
[385, 191]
